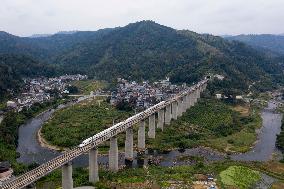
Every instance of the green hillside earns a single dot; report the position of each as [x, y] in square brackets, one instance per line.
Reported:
[274, 43]
[14, 67]
[147, 50]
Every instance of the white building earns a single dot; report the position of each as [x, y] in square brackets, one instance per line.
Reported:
[220, 77]
[239, 97]
[218, 96]
[11, 104]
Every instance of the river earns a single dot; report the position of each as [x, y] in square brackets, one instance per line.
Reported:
[31, 151]
[265, 146]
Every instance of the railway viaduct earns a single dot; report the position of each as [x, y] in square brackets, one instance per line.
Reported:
[158, 116]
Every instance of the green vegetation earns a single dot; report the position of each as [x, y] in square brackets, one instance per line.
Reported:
[13, 68]
[142, 177]
[264, 42]
[9, 136]
[280, 138]
[86, 86]
[210, 123]
[240, 177]
[69, 126]
[9, 132]
[147, 50]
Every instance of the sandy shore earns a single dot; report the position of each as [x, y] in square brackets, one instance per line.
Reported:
[43, 143]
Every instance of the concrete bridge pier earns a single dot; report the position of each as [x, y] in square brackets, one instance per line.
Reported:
[194, 97]
[152, 129]
[201, 88]
[187, 97]
[198, 93]
[204, 87]
[93, 166]
[179, 107]
[67, 180]
[184, 104]
[113, 154]
[129, 144]
[174, 110]
[161, 119]
[141, 136]
[168, 115]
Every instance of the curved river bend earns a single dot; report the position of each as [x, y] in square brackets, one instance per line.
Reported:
[265, 146]
[31, 151]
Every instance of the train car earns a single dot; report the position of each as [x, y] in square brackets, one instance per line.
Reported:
[85, 142]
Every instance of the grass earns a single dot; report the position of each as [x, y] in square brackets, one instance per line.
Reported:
[69, 126]
[243, 110]
[2, 105]
[211, 123]
[146, 177]
[236, 174]
[277, 185]
[237, 142]
[272, 168]
[239, 176]
[240, 141]
[86, 86]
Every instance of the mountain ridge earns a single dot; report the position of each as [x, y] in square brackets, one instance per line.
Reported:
[274, 43]
[148, 50]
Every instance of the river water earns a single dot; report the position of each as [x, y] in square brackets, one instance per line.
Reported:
[31, 151]
[265, 146]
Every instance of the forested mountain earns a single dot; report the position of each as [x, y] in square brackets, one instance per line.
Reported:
[147, 50]
[45, 48]
[275, 43]
[14, 67]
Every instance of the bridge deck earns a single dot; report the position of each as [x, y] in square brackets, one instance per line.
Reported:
[67, 156]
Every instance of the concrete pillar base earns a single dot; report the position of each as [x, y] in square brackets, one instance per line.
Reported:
[141, 137]
[161, 119]
[152, 129]
[67, 180]
[93, 166]
[113, 155]
[179, 107]
[168, 115]
[129, 144]
[174, 110]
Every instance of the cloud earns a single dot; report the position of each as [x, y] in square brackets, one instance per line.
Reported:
[26, 17]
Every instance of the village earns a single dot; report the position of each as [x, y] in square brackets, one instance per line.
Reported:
[143, 95]
[39, 90]
[136, 95]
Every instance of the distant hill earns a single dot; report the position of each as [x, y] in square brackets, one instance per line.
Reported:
[14, 67]
[44, 48]
[48, 35]
[39, 35]
[274, 43]
[147, 50]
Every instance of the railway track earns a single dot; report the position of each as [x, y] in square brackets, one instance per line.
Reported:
[67, 156]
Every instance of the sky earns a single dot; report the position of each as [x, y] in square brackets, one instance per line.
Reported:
[218, 17]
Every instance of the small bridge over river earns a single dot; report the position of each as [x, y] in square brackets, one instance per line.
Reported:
[162, 113]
